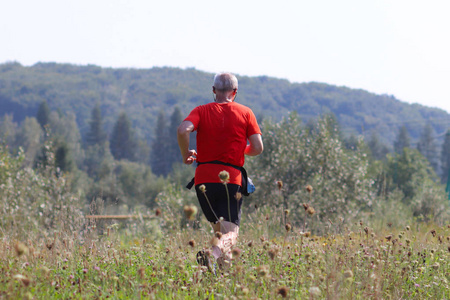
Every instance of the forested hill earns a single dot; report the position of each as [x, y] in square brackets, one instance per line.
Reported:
[143, 93]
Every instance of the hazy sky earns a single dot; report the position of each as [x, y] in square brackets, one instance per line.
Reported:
[387, 47]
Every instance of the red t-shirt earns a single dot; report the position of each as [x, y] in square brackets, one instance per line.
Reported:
[222, 133]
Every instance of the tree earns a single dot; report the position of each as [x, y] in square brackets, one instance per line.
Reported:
[160, 146]
[43, 114]
[7, 130]
[96, 134]
[427, 147]
[378, 149]
[63, 158]
[29, 136]
[123, 143]
[445, 157]
[402, 141]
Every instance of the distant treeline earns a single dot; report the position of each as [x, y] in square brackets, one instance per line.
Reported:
[144, 93]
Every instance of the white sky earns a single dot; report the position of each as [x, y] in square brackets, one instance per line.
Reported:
[384, 46]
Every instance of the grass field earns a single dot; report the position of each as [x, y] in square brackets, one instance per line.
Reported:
[139, 260]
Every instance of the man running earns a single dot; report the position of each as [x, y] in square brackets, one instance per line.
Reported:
[226, 131]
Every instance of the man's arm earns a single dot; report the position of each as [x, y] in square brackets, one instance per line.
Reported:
[256, 146]
[183, 131]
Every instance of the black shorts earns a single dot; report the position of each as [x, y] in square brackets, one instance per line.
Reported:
[217, 203]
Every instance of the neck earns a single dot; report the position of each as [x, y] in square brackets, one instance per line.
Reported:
[224, 100]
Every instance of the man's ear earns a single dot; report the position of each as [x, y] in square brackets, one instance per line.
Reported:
[214, 89]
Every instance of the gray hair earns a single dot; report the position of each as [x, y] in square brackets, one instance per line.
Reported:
[225, 82]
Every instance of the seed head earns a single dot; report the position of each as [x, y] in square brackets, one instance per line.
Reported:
[262, 271]
[236, 252]
[287, 212]
[224, 176]
[305, 206]
[307, 234]
[348, 274]
[315, 291]
[389, 237]
[141, 273]
[20, 248]
[190, 211]
[158, 212]
[25, 281]
[288, 227]
[279, 185]
[283, 291]
[191, 243]
[309, 188]
[408, 228]
[311, 211]
[202, 188]
[273, 253]
[433, 232]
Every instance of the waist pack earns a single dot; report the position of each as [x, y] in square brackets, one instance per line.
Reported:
[247, 185]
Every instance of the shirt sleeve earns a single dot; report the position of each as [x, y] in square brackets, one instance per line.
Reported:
[252, 127]
[194, 117]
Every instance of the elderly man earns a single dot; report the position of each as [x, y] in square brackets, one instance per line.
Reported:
[226, 131]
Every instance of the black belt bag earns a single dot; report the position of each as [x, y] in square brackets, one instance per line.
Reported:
[244, 184]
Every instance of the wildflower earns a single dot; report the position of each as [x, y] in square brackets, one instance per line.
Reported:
[366, 230]
[408, 228]
[307, 234]
[236, 252]
[97, 268]
[20, 248]
[309, 188]
[191, 243]
[288, 227]
[224, 176]
[279, 185]
[157, 212]
[389, 237]
[85, 271]
[190, 211]
[202, 188]
[250, 244]
[286, 212]
[305, 206]
[283, 291]
[348, 274]
[433, 232]
[315, 291]
[310, 211]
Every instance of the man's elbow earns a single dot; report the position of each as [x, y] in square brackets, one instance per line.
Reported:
[259, 149]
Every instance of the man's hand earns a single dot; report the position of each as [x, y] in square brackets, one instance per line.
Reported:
[189, 157]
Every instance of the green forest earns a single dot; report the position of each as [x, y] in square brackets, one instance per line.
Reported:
[111, 135]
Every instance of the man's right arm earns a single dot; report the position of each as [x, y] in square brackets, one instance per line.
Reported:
[183, 131]
[256, 146]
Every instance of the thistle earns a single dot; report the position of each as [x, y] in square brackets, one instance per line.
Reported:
[224, 176]
[283, 291]
[190, 211]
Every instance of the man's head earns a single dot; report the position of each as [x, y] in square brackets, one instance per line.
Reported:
[225, 82]
[225, 86]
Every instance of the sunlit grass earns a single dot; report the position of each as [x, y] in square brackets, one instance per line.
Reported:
[358, 262]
